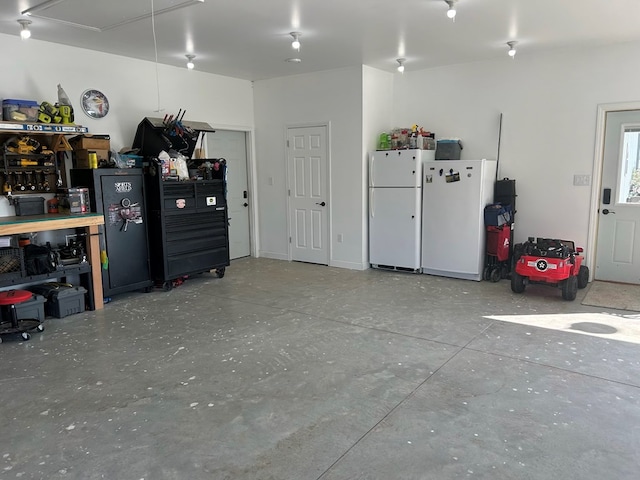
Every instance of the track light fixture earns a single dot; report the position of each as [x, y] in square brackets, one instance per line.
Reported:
[296, 40]
[401, 64]
[190, 64]
[25, 32]
[451, 13]
[512, 48]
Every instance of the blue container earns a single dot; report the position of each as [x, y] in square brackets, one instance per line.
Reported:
[20, 110]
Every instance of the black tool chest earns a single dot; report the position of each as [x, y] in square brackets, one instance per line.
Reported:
[188, 227]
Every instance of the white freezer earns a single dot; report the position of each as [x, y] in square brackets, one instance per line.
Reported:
[454, 194]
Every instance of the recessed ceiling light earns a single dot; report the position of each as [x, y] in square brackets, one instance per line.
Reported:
[293, 60]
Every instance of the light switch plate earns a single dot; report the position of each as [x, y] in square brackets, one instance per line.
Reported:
[582, 180]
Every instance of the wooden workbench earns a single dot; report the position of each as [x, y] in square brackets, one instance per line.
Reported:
[41, 223]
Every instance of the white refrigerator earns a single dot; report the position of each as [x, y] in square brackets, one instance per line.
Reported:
[455, 193]
[395, 208]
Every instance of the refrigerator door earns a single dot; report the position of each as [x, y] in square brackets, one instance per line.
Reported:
[394, 228]
[395, 168]
[453, 233]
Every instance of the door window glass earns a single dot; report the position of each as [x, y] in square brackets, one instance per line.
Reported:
[629, 180]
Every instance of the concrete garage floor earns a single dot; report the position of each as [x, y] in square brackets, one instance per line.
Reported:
[293, 371]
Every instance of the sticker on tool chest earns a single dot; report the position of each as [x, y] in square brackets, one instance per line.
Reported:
[124, 214]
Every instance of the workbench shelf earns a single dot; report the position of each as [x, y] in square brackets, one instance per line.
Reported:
[82, 270]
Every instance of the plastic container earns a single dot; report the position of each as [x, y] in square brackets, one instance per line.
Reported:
[31, 309]
[20, 110]
[29, 205]
[74, 200]
[62, 300]
[448, 150]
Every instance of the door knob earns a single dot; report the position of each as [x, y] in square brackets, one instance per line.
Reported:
[606, 211]
[322, 204]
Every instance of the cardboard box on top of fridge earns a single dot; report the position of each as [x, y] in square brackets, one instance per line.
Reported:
[448, 149]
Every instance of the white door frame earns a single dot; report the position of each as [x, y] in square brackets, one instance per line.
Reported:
[327, 126]
[596, 184]
[252, 175]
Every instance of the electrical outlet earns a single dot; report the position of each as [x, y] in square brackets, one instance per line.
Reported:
[582, 180]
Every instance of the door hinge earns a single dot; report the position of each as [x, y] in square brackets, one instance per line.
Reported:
[289, 192]
[287, 143]
[289, 239]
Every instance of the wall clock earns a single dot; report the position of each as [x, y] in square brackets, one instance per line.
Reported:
[94, 103]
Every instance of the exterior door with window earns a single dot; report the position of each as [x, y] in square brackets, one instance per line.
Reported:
[618, 244]
[308, 171]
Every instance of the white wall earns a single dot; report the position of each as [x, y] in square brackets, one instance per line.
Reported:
[549, 105]
[32, 69]
[332, 96]
[377, 117]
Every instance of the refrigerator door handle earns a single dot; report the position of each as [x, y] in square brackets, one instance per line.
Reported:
[371, 164]
[371, 204]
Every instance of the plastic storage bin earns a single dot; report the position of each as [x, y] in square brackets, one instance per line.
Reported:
[448, 150]
[20, 110]
[33, 308]
[62, 300]
[29, 205]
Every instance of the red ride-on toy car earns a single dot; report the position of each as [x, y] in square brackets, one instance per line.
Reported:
[551, 262]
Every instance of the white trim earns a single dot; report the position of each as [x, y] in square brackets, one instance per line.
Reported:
[349, 265]
[273, 256]
[596, 184]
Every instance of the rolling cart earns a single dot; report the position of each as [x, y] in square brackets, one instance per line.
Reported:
[499, 223]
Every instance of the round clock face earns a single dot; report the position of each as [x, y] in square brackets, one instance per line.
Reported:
[94, 103]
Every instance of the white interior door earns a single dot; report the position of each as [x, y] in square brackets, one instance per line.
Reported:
[308, 171]
[232, 146]
[618, 238]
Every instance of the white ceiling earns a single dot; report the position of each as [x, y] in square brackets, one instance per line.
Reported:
[250, 39]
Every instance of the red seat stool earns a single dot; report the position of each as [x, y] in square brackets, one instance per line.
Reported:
[9, 322]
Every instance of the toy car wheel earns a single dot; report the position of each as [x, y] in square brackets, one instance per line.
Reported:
[517, 282]
[570, 288]
[583, 276]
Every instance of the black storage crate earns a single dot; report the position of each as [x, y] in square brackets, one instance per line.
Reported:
[11, 263]
[28, 205]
